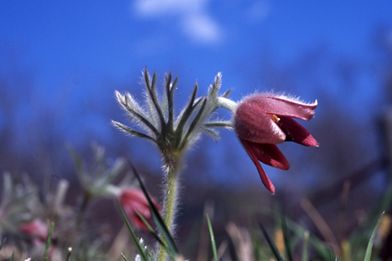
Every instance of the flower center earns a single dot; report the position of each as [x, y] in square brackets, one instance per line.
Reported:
[275, 118]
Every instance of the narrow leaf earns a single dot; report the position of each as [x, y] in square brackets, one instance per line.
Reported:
[127, 130]
[78, 162]
[212, 133]
[286, 239]
[48, 243]
[140, 117]
[152, 92]
[170, 86]
[113, 172]
[321, 249]
[132, 233]
[305, 255]
[124, 258]
[212, 238]
[193, 124]
[214, 88]
[69, 253]
[271, 243]
[368, 254]
[223, 124]
[151, 229]
[172, 248]
[187, 111]
[226, 93]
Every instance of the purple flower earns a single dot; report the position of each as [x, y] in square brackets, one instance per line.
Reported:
[36, 229]
[135, 203]
[263, 120]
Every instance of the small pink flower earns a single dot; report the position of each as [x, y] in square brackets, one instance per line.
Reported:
[133, 202]
[36, 229]
[263, 120]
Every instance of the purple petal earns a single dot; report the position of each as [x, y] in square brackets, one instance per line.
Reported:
[271, 155]
[252, 123]
[282, 106]
[250, 149]
[297, 133]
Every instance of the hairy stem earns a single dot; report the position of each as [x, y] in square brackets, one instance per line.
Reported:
[170, 196]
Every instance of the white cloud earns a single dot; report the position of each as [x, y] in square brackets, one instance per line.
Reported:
[201, 28]
[193, 18]
[164, 7]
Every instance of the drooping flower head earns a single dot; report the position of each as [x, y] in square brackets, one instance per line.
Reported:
[263, 120]
[36, 229]
[135, 203]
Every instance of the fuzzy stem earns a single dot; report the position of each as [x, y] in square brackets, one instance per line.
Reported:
[170, 197]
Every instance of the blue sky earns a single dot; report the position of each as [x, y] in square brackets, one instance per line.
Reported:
[78, 49]
[94, 39]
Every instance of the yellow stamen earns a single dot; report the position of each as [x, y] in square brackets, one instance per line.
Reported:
[275, 118]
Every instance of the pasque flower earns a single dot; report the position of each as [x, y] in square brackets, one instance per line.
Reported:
[36, 229]
[263, 120]
[135, 203]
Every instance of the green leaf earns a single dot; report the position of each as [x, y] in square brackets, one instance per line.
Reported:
[172, 249]
[214, 88]
[321, 249]
[368, 254]
[140, 117]
[212, 238]
[110, 174]
[184, 116]
[223, 124]
[123, 257]
[271, 243]
[226, 93]
[305, 256]
[170, 87]
[131, 132]
[211, 132]
[287, 242]
[78, 162]
[132, 233]
[48, 243]
[152, 93]
[193, 124]
[151, 229]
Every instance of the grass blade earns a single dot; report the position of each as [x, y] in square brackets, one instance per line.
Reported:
[212, 238]
[271, 243]
[305, 254]
[368, 253]
[131, 231]
[287, 243]
[322, 250]
[123, 257]
[171, 245]
[69, 253]
[150, 229]
[48, 243]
